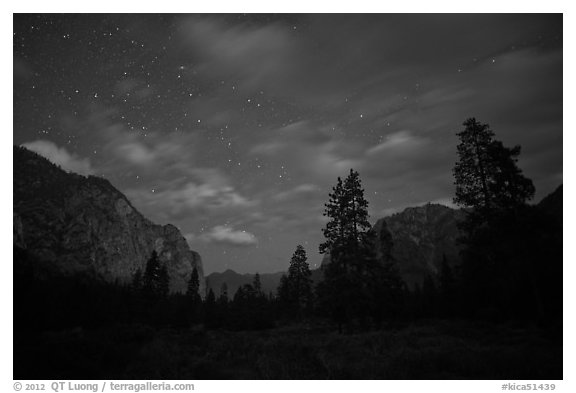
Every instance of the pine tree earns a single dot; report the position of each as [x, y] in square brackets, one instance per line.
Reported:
[295, 289]
[193, 288]
[210, 310]
[353, 279]
[510, 187]
[257, 284]
[210, 302]
[486, 176]
[163, 282]
[474, 168]
[283, 294]
[299, 282]
[151, 279]
[496, 266]
[222, 304]
[347, 231]
[224, 293]
[194, 300]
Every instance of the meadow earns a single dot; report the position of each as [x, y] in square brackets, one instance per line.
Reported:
[433, 349]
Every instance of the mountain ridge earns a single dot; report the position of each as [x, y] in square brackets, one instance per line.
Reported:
[83, 224]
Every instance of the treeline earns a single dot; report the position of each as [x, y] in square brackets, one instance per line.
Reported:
[511, 267]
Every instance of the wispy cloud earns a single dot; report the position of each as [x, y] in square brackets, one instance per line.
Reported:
[189, 197]
[228, 235]
[255, 55]
[298, 191]
[60, 156]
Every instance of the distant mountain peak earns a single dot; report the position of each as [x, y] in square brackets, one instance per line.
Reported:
[422, 237]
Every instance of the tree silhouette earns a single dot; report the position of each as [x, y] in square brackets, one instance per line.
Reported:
[295, 289]
[348, 227]
[486, 176]
[193, 296]
[500, 273]
[257, 284]
[163, 282]
[193, 287]
[210, 310]
[299, 282]
[283, 295]
[154, 276]
[224, 292]
[353, 279]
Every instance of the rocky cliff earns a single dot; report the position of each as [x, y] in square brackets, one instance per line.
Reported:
[421, 237]
[76, 224]
[418, 239]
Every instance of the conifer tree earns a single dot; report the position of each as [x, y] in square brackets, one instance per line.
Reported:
[193, 287]
[210, 309]
[193, 296]
[295, 289]
[223, 293]
[283, 294]
[210, 300]
[151, 279]
[299, 282]
[497, 263]
[163, 282]
[486, 176]
[257, 284]
[354, 280]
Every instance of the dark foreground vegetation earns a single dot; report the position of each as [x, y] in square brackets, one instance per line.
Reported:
[497, 315]
[432, 349]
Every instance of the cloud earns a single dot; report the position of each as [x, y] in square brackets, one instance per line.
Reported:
[158, 154]
[255, 55]
[310, 151]
[227, 235]
[300, 190]
[399, 143]
[60, 156]
[136, 153]
[190, 196]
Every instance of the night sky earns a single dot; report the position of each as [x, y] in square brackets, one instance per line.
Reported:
[234, 128]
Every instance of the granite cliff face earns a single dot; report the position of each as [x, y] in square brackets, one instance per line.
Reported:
[422, 237]
[76, 224]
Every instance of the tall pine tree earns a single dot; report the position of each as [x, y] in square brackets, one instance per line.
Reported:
[497, 262]
[152, 278]
[299, 280]
[295, 290]
[487, 179]
[193, 297]
[193, 287]
[353, 280]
